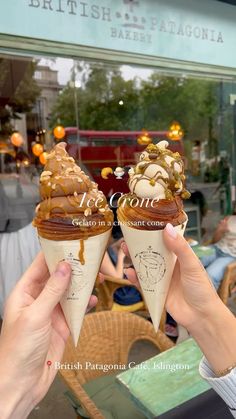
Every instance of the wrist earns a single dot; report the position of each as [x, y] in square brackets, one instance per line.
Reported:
[216, 336]
[14, 404]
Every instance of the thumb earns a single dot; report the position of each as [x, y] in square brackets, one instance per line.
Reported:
[53, 290]
[188, 261]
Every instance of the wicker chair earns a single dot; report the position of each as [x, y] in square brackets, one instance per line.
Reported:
[106, 290]
[105, 293]
[106, 338]
[228, 283]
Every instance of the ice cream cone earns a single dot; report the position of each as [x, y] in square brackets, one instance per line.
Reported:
[154, 265]
[157, 188]
[74, 223]
[76, 298]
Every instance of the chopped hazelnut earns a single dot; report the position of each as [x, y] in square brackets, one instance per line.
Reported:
[75, 194]
[87, 212]
[46, 173]
[44, 179]
[69, 170]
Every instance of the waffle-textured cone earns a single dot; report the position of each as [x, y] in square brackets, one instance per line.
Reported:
[154, 265]
[76, 298]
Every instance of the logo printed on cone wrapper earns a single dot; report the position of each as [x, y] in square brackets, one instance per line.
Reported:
[78, 281]
[152, 268]
[76, 298]
[150, 246]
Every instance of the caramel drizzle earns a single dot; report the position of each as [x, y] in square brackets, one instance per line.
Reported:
[63, 168]
[81, 252]
[172, 182]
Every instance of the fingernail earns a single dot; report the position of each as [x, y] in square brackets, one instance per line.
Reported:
[63, 268]
[122, 245]
[171, 231]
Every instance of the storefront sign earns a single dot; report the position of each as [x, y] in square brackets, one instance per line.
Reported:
[197, 31]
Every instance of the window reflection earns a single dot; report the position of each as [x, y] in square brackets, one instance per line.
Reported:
[103, 109]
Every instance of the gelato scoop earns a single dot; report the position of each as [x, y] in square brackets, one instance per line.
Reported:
[72, 207]
[156, 186]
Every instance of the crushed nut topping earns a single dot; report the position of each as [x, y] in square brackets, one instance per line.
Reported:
[46, 173]
[87, 212]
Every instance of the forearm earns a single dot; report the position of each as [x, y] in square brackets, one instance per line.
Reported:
[13, 404]
[15, 399]
[216, 336]
[120, 266]
[217, 236]
[107, 267]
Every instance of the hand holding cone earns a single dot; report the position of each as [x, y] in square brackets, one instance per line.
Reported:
[157, 186]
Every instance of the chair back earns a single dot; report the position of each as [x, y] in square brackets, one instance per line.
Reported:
[105, 341]
[228, 282]
[105, 291]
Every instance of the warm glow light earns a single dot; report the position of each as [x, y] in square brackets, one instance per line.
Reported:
[43, 158]
[26, 162]
[59, 132]
[144, 139]
[17, 139]
[175, 132]
[37, 149]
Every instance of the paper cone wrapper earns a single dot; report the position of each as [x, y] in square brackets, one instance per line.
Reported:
[154, 265]
[75, 300]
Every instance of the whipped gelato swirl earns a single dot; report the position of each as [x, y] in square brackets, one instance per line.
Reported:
[159, 174]
[72, 207]
[157, 188]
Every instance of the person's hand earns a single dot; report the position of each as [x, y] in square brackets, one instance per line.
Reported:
[191, 293]
[193, 302]
[223, 225]
[33, 337]
[121, 254]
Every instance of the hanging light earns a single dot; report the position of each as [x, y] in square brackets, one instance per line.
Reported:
[144, 139]
[175, 132]
[26, 162]
[37, 149]
[43, 158]
[17, 139]
[59, 132]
